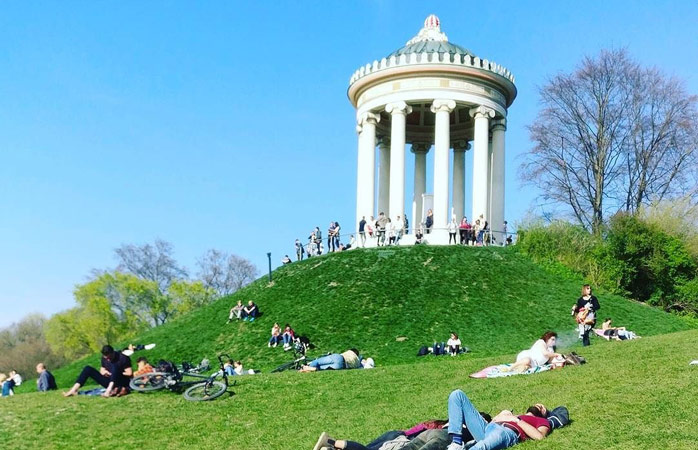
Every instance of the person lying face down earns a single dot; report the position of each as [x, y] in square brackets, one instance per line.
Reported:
[337, 361]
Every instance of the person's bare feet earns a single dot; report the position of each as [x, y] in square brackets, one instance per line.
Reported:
[69, 393]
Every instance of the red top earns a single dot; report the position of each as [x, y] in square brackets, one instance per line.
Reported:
[537, 422]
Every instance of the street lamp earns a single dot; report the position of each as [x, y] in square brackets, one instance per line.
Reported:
[269, 258]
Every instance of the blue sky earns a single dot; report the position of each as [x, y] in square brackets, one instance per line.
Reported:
[226, 125]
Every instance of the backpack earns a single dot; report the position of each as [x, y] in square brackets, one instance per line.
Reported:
[558, 417]
[423, 351]
[573, 359]
[166, 367]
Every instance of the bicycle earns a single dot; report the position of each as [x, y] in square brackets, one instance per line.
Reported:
[299, 357]
[173, 380]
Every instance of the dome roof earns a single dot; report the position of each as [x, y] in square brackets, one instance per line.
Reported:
[431, 47]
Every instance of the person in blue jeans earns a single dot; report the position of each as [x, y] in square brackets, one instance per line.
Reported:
[505, 430]
[336, 361]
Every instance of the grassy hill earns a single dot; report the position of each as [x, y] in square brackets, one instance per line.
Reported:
[496, 299]
[637, 394]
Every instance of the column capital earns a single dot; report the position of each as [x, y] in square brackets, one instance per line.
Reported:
[384, 141]
[461, 145]
[368, 117]
[443, 105]
[398, 108]
[499, 125]
[420, 147]
[482, 111]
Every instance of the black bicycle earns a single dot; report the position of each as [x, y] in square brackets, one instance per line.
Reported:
[299, 357]
[172, 377]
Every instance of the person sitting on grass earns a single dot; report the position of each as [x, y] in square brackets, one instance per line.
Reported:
[235, 312]
[46, 381]
[143, 366]
[335, 361]
[504, 431]
[541, 352]
[114, 374]
[239, 370]
[250, 312]
[288, 336]
[275, 336]
[8, 385]
[453, 344]
[617, 333]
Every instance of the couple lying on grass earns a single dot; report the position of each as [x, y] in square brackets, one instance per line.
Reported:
[466, 428]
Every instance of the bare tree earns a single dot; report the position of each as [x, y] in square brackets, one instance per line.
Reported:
[23, 344]
[151, 262]
[610, 136]
[225, 273]
[661, 153]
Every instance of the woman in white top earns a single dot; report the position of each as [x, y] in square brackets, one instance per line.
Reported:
[452, 228]
[541, 353]
[453, 344]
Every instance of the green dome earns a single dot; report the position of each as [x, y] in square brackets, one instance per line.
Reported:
[431, 47]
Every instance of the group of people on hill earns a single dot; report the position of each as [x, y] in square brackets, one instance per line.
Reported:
[285, 336]
[245, 313]
[45, 381]
[385, 230]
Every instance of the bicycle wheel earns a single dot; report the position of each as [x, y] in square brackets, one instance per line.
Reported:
[149, 381]
[283, 367]
[205, 391]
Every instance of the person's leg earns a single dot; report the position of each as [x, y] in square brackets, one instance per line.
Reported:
[496, 437]
[335, 361]
[430, 440]
[87, 373]
[7, 387]
[383, 438]
[318, 363]
[585, 336]
[461, 411]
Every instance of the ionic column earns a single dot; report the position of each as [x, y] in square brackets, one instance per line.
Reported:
[442, 109]
[398, 112]
[498, 172]
[365, 168]
[383, 174]
[459, 148]
[420, 150]
[482, 115]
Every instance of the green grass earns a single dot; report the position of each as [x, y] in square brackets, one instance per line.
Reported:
[496, 299]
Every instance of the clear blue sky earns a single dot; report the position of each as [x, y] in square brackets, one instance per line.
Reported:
[223, 125]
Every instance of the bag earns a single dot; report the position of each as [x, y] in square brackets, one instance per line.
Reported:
[573, 359]
[166, 367]
[423, 351]
[558, 417]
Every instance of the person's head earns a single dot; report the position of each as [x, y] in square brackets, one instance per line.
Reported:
[356, 352]
[40, 367]
[239, 302]
[381, 214]
[538, 410]
[454, 336]
[142, 361]
[550, 338]
[607, 320]
[506, 223]
[250, 303]
[108, 352]
[228, 362]
[237, 363]
[3, 377]
[276, 324]
[13, 373]
[287, 327]
[586, 290]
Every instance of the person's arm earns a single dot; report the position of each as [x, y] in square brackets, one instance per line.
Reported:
[42, 382]
[595, 303]
[531, 431]
[107, 393]
[128, 371]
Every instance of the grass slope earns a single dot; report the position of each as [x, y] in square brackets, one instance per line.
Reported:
[496, 299]
[631, 395]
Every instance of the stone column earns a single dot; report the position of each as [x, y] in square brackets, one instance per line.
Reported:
[442, 109]
[383, 174]
[420, 150]
[459, 148]
[498, 172]
[365, 168]
[398, 112]
[482, 115]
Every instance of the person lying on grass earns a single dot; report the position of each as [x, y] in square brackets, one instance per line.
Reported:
[541, 352]
[337, 361]
[114, 374]
[617, 333]
[429, 435]
[504, 431]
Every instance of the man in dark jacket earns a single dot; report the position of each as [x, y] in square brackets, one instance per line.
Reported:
[46, 381]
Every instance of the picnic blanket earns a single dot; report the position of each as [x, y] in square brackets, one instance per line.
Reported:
[497, 372]
[599, 332]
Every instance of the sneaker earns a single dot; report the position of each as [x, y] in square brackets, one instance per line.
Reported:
[245, 319]
[252, 319]
[269, 344]
[149, 346]
[693, 363]
[454, 446]
[275, 344]
[322, 441]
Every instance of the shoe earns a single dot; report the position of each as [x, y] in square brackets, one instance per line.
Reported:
[322, 441]
[693, 363]
[454, 446]
[149, 346]
[275, 344]
[269, 344]
[245, 319]
[252, 319]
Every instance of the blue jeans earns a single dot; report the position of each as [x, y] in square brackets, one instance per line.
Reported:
[7, 387]
[274, 339]
[332, 361]
[492, 436]
[287, 338]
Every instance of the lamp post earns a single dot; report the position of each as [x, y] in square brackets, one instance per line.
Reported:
[269, 258]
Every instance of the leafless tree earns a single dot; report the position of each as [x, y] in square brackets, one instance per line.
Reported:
[611, 136]
[151, 262]
[225, 273]
[23, 345]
